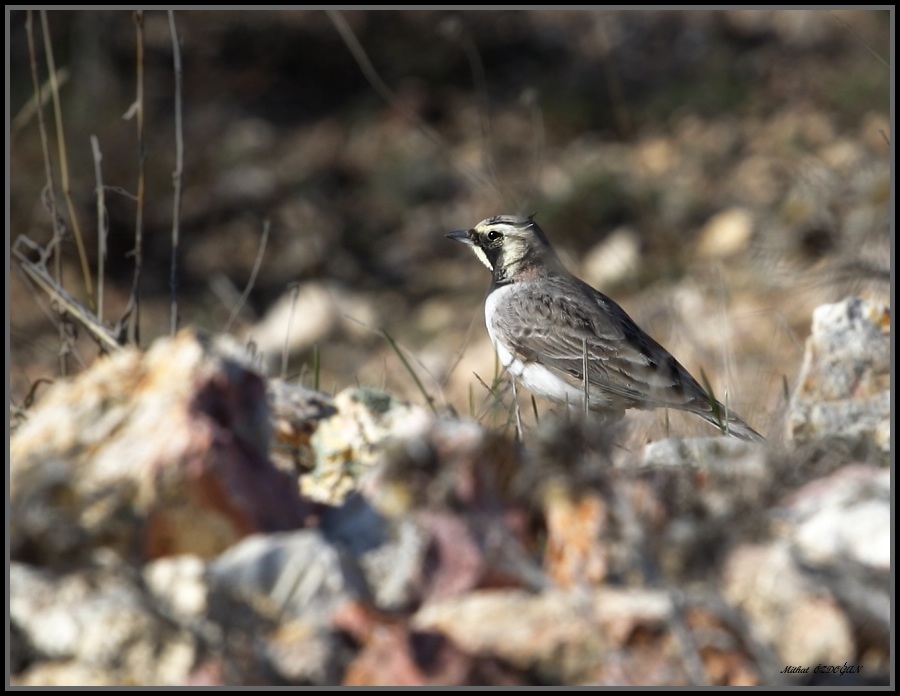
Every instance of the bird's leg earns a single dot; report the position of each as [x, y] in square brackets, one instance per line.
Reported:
[516, 406]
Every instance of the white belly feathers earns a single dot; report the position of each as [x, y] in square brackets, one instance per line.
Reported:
[534, 376]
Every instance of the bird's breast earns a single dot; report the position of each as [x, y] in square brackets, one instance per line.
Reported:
[494, 306]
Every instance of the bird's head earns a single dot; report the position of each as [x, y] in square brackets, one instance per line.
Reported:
[509, 246]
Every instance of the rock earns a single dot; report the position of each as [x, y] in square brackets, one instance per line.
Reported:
[295, 414]
[305, 654]
[348, 443]
[788, 609]
[69, 673]
[843, 391]
[464, 488]
[151, 454]
[612, 260]
[390, 551]
[839, 528]
[444, 464]
[726, 233]
[179, 582]
[317, 312]
[296, 575]
[576, 555]
[393, 654]
[843, 517]
[820, 592]
[100, 624]
[693, 498]
[21, 652]
[602, 637]
[704, 453]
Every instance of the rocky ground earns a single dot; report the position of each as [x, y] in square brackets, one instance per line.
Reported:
[345, 502]
[178, 519]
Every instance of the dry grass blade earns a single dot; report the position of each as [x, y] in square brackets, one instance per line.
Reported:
[584, 377]
[102, 224]
[137, 111]
[295, 293]
[494, 398]
[720, 418]
[33, 106]
[64, 160]
[50, 189]
[861, 40]
[317, 368]
[177, 174]
[409, 368]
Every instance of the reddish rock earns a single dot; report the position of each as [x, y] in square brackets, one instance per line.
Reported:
[153, 454]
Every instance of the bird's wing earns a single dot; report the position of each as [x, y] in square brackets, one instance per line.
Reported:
[554, 326]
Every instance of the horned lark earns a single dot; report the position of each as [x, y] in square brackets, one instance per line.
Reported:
[572, 344]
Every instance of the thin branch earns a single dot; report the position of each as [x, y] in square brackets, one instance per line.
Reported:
[250, 283]
[51, 315]
[48, 169]
[33, 106]
[64, 160]
[178, 173]
[137, 111]
[122, 192]
[102, 224]
[66, 305]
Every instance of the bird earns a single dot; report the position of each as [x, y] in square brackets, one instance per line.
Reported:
[570, 343]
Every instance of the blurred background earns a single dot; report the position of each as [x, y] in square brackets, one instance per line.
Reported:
[718, 173]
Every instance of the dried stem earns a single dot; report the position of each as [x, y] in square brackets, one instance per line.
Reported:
[64, 160]
[102, 224]
[178, 173]
[409, 368]
[36, 103]
[64, 303]
[585, 377]
[137, 110]
[48, 169]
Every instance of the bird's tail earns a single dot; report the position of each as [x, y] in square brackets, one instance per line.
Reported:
[729, 422]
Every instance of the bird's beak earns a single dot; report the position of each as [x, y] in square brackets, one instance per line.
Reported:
[460, 236]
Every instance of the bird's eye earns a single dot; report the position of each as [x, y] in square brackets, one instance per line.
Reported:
[493, 236]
